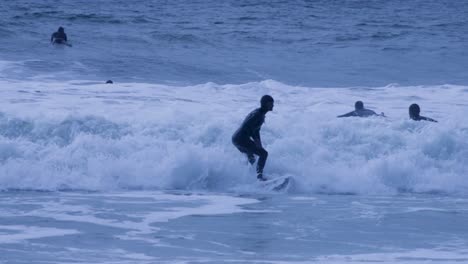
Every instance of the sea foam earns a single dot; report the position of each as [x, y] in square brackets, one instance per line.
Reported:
[83, 135]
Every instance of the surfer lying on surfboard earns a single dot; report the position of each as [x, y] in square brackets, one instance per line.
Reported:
[247, 137]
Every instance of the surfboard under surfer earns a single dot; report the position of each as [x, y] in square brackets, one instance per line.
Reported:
[360, 111]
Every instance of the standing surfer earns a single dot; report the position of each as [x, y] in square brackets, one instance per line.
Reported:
[247, 137]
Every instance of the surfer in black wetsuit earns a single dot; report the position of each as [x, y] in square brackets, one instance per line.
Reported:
[247, 137]
[59, 37]
[361, 111]
[414, 111]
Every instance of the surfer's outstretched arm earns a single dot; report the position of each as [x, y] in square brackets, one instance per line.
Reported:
[428, 119]
[352, 113]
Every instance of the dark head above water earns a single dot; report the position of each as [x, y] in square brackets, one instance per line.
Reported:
[109, 81]
[359, 105]
[267, 103]
[414, 111]
[59, 37]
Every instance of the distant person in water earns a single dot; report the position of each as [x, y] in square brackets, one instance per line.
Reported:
[247, 137]
[360, 111]
[59, 37]
[414, 111]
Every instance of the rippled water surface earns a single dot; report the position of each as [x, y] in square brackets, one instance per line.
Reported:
[315, 43]
[143, 170]
[155, 227]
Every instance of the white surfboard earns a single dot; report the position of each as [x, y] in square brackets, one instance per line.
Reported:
[277, 184]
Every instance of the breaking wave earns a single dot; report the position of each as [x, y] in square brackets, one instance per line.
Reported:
[87, 136]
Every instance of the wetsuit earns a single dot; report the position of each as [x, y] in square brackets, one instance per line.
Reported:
[247, 139]
[58, 38]
[419, 118]
[361, 113]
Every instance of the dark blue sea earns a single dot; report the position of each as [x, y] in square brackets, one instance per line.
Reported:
[314, 43]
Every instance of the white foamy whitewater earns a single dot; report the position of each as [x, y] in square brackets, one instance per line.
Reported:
[147, 173]
[143, 170]
[85, 136]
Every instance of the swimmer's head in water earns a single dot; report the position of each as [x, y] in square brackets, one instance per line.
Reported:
[359, 105]
[414, 110]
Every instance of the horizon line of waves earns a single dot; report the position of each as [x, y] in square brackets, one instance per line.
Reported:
[178, 37]
[62, 15]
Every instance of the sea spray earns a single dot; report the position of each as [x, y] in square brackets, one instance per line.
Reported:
[75, 135]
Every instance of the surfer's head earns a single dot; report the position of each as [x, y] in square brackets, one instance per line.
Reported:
[414, 111]
[359, 105]
[267, 102]
[61, 30]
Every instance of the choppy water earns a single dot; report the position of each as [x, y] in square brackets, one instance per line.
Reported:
[144, 171]
[76, 135]
[153, 227]
[313, 43]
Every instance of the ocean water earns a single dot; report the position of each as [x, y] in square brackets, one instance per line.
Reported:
[144, 171]
[299, 42]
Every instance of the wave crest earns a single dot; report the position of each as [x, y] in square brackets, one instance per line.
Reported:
[163, 137]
